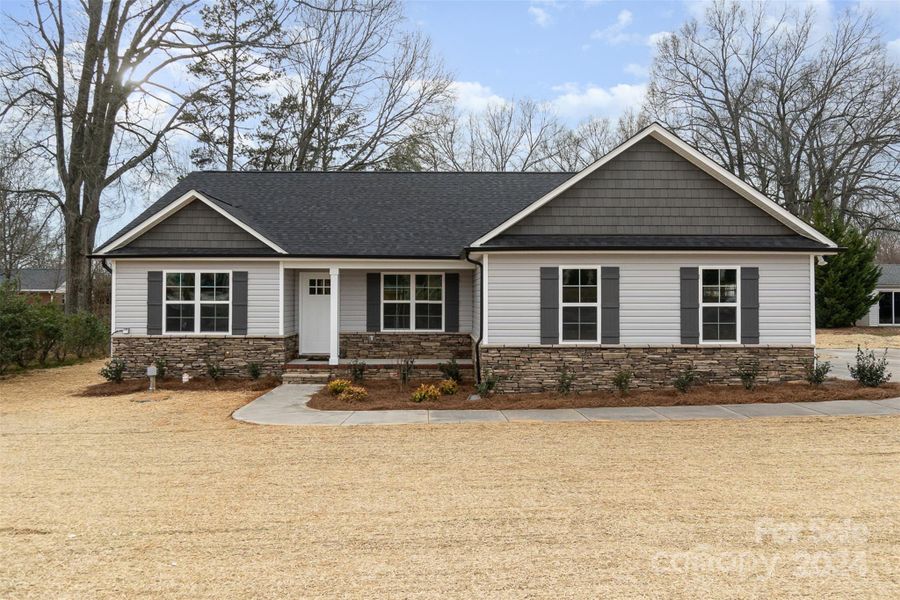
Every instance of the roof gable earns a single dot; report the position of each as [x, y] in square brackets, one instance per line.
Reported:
[649, 190]
[196, 226]
[628, 186]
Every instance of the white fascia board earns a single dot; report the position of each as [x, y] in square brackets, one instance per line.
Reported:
[684, 150]
[174, 207]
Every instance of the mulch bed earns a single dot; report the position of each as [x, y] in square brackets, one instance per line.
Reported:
[198, 384]
[387, 395]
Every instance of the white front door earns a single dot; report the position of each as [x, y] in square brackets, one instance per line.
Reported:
[315, 311]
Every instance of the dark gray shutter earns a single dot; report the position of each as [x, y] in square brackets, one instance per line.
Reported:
[373, 301]
[549, 305]
[690, 305]
[154, 302]
[239, 303]
[609, 305]
[451, 302]
[750, 305]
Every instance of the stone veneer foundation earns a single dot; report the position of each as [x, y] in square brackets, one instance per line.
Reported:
[189, 354]
[537, 368]
[380, 345]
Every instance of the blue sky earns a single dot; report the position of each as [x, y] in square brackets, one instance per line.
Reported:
[589, 58]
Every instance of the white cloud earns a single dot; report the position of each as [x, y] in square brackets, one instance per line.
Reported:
[615, 33]
[639, 71]
[578, 102]
[541, 17]
[893, 50]
[655, 38]
[474, 97]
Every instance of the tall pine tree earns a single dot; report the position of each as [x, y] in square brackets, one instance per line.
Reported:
[233, 77]
[845, 284]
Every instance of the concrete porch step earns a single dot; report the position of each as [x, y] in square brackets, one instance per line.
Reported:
[305, 377]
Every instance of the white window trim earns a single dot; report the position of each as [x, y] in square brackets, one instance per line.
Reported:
[736, 304]
[893, 308]
[587, 304]
[412, 302]
[197, 302]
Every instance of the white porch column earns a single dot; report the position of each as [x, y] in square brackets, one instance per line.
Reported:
[335, 302]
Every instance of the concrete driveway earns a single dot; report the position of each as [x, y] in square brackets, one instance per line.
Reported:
[839, 360]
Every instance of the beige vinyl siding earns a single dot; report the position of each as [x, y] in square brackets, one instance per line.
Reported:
[353, 300]
[650, 301]
[262, 291]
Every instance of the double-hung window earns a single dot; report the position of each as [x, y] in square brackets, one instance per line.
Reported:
[197, 302]
[412, 302]
[579, 303]
[719, 304]
[889, 308]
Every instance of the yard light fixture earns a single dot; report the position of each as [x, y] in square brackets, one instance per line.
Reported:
[151, 373]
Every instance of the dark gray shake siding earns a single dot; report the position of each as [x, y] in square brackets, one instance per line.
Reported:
[197, 226]
[649, 190]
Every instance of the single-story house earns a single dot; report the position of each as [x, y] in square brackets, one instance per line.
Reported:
[653, 259]
[885, 311]
[43, 285]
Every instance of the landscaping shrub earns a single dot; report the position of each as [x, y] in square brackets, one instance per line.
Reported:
[564, 382]
[685, 380]
[405, 369]
[48, 327]
[451, 370]
[869, 370]
[336, 386]
[353, 393]
[748, 372]
[426, 393]
[817, 371]
[214, 370]
[622, 380]
[255, 370]
[448, 387]
[357, 370]
[488, 384]
[85, 334]
[114, 370]
[161, 366]
[15, 327]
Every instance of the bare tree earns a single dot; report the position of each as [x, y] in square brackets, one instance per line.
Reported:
[356, 86]
[92, 91]
[806, 119]
[27, 232]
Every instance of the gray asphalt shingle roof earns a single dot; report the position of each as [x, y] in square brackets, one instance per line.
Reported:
[890, 275]
[45, 280]
[367, 214]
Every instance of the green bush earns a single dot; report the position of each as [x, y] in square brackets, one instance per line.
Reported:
[214, 370]
[622, 380]
[114, 370]
[16, 336]
[85, 334]
[161, 367]
[685, 380]
[357, 370]
[748, 372]
[869, 370]
[817, 371]
[451, 370]
[487, 385]
[564, 381]
[426, 393]
[48, 330]
[254, 370]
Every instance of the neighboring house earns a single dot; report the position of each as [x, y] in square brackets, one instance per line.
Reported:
[653, 258]
[886, 309]
[44, 285]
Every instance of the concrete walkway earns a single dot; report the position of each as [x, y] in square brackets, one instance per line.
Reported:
[286, 405]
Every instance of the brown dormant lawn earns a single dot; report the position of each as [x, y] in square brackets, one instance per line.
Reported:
[110, 498]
